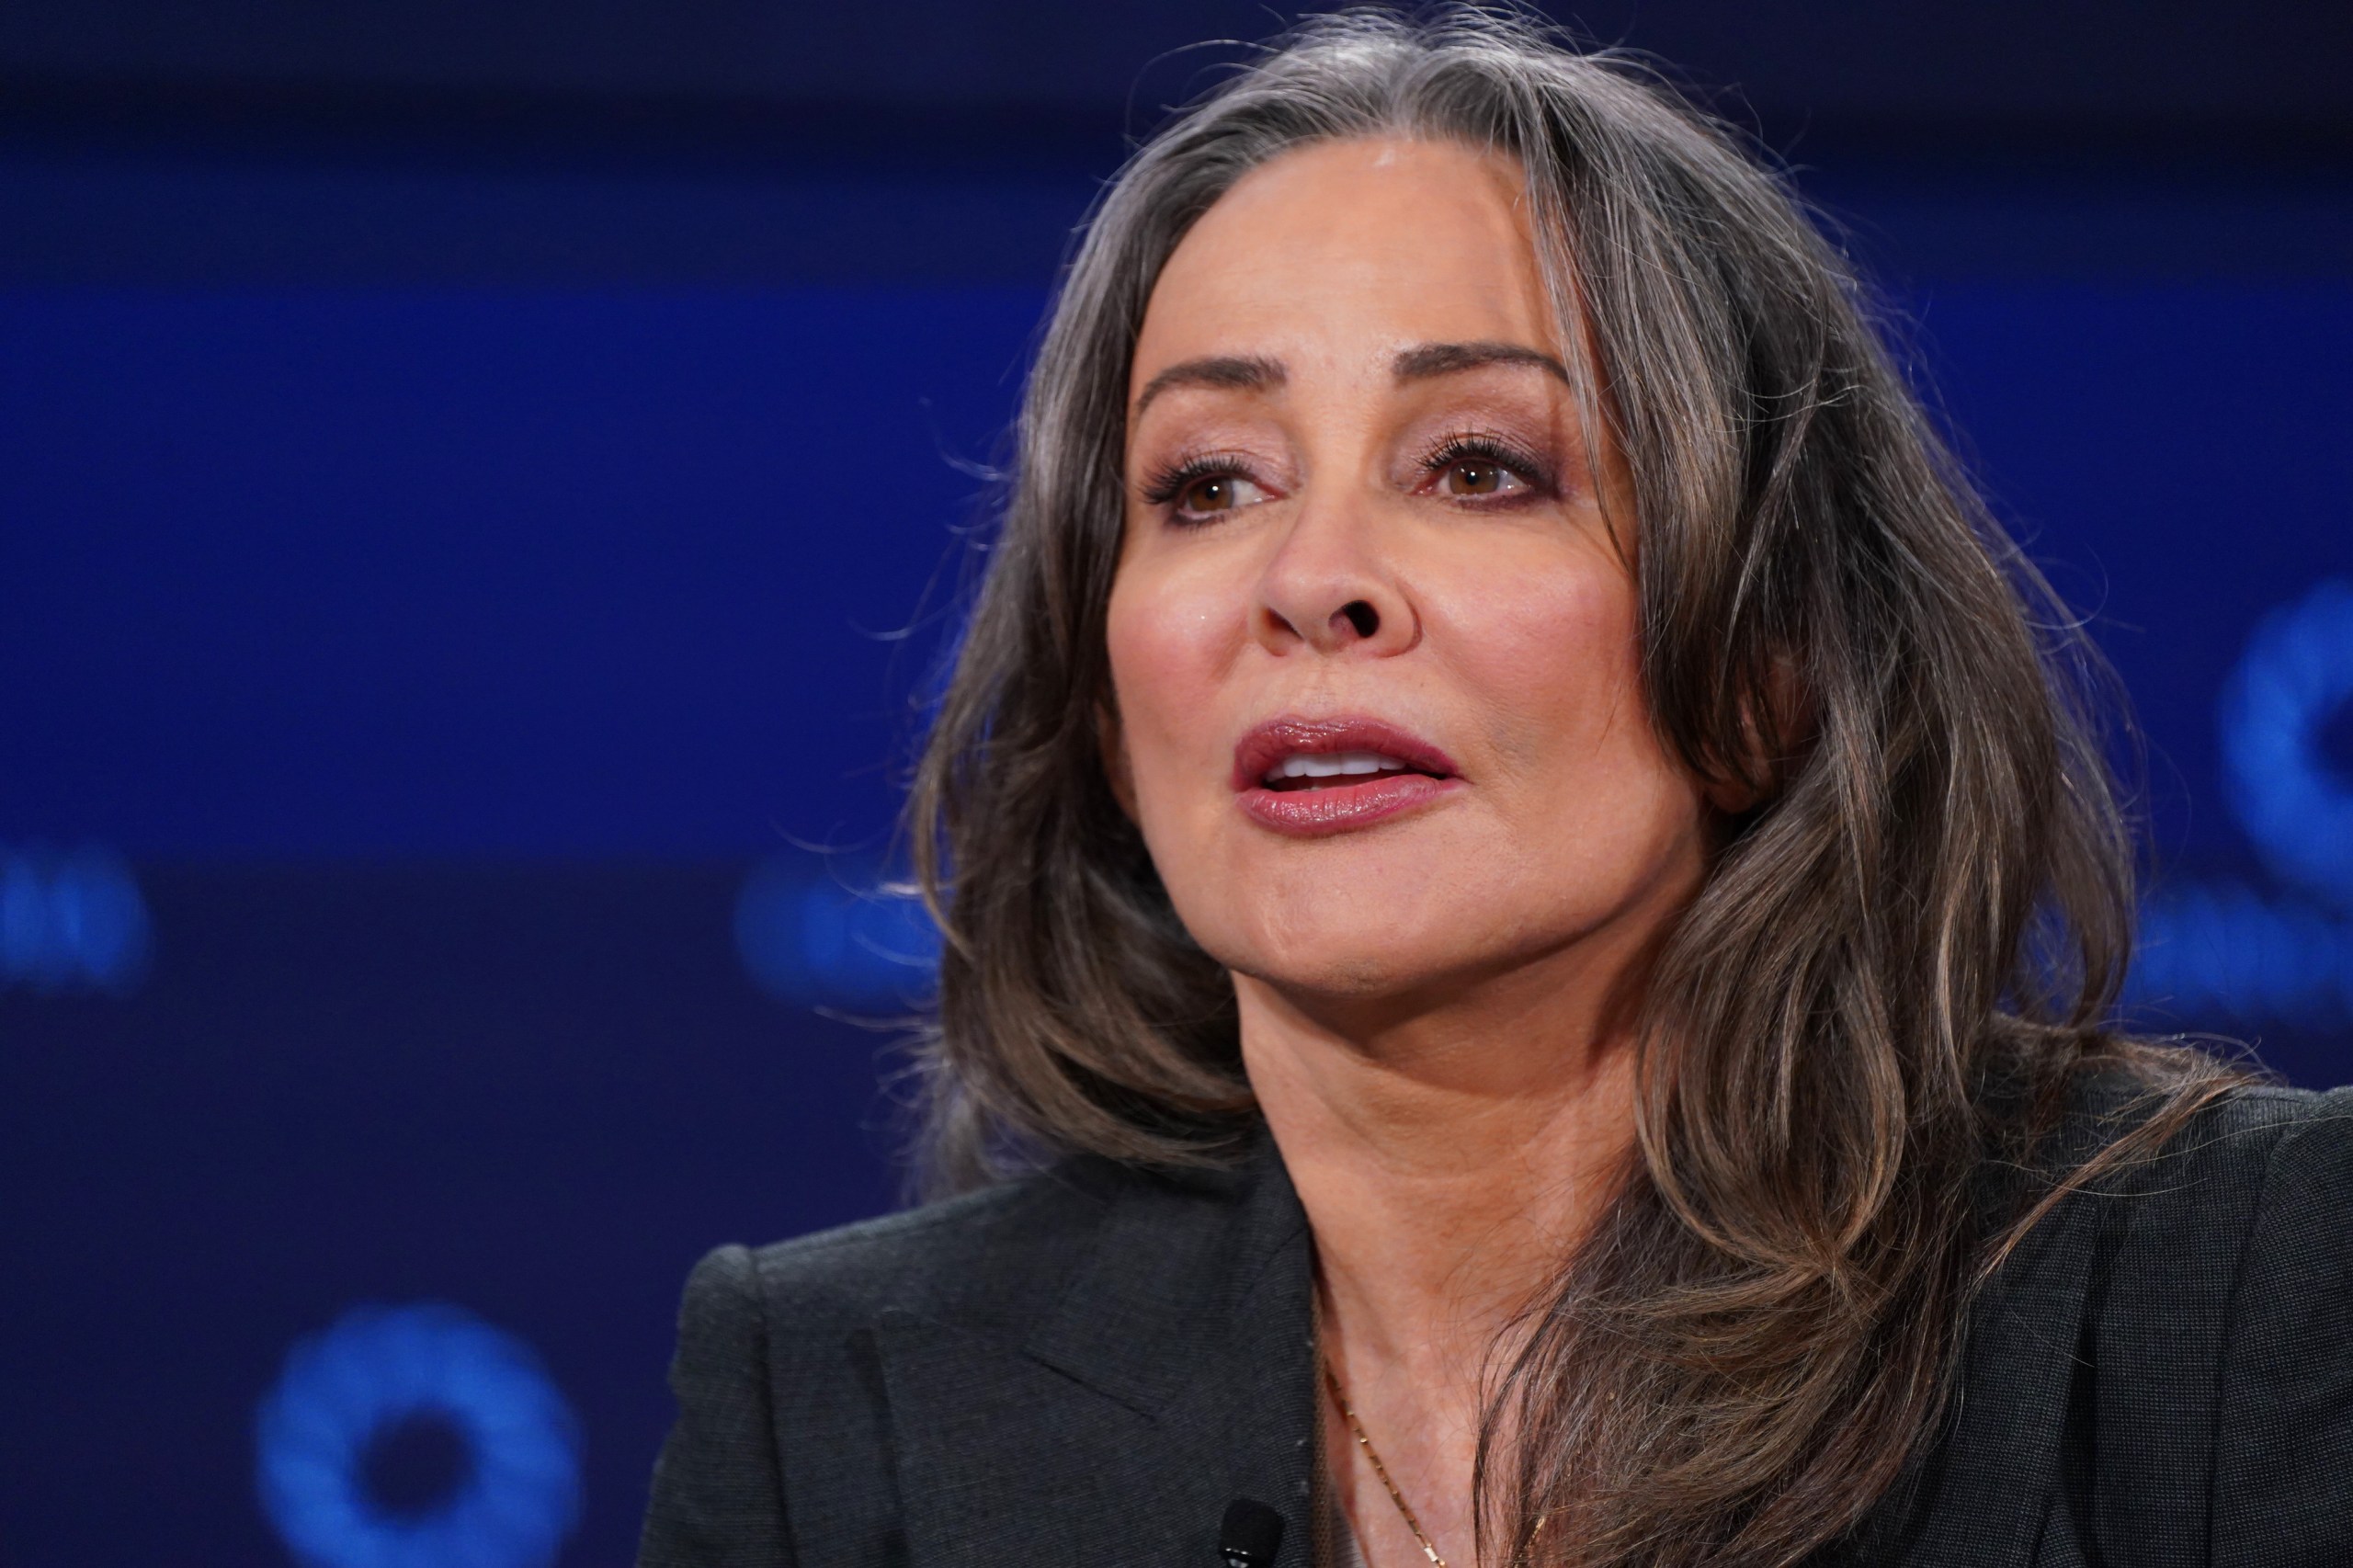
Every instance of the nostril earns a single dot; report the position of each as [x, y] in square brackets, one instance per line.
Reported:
[1363, 617]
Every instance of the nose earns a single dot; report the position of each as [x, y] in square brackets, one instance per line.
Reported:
[1327, 588]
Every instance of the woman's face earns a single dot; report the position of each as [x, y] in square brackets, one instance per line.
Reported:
[1372, 641]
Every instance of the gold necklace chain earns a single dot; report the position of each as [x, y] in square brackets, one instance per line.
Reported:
[1364, 1441]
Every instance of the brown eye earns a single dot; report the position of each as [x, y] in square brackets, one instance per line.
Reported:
[1476, 476]
[1212, 495]
[1212, 492]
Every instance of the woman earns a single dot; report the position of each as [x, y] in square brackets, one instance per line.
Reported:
[1530, 926]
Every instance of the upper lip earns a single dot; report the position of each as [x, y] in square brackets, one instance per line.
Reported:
[1263, 747]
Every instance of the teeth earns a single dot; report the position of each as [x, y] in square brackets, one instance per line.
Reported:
[1334, 764]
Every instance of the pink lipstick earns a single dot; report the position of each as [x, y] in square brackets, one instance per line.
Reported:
[1309, 777]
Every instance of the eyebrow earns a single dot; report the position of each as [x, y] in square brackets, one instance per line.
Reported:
[1425, 360]
[1232, 372]
[1251, 372]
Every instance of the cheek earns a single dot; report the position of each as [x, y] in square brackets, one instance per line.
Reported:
[1548, 640]
[1553, 649]
[1170, 639]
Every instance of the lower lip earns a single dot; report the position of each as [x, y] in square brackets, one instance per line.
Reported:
[1342, 808]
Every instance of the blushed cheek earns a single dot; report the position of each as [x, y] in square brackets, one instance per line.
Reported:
[1607, 790]
[1164, 648]
[1552, 652]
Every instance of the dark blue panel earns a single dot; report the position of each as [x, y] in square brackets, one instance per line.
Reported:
[1965, 60]
[401, 215]
[310, 572]
[538, 1093]
[2176, 457]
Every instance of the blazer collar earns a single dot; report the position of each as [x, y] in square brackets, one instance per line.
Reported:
[1173, 1372]
[1196, 1308]
[1183, 1270]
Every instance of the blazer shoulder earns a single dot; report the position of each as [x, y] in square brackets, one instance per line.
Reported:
[989, 1260]
[2227, 1156]
[2283, 1430]
[2194, 1200]
[2275, 1113]
[2217, 1358]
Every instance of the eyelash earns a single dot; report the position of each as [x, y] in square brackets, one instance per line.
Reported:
[1166, 483]
[1477, 446]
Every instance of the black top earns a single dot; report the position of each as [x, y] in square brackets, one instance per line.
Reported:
[1086, 1367]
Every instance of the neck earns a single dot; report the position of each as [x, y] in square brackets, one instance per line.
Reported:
[1452, 1142]
[1447, 1156]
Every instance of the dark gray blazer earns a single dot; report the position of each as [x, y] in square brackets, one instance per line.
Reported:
[1084, 1368]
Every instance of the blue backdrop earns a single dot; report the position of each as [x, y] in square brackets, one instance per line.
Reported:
[465, 594]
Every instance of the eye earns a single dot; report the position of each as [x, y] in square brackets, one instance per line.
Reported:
[1203, 490]
[1482, 471]
[1479, 476]
[1217, 492]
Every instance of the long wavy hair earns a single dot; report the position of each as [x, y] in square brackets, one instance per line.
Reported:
[1899, 959]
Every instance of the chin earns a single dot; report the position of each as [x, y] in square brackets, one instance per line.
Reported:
[1359, 977]
[1352, 958]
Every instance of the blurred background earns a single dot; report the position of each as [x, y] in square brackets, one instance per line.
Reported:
[483, 487]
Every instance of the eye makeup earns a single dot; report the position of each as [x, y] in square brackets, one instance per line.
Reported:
[1474, 446]
[1541, 473]
[1168, 480]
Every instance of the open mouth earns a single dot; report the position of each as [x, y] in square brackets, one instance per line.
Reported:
[1336, 769]
[1309, 777]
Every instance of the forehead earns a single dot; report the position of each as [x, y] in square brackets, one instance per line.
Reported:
[1337, 254]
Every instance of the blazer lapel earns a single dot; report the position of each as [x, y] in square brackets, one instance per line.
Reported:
[2001, 1445]
[1175, 1372]
[1978, 1495]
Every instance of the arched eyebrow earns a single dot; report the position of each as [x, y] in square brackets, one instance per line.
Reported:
[1426, 359]
[1233, 372]
[1241, 373]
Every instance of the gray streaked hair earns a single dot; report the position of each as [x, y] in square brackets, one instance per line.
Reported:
[1900, 957]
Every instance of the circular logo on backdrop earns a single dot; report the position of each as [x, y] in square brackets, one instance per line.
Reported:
[2296, 675]
[417, 1436]
[807, 937]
